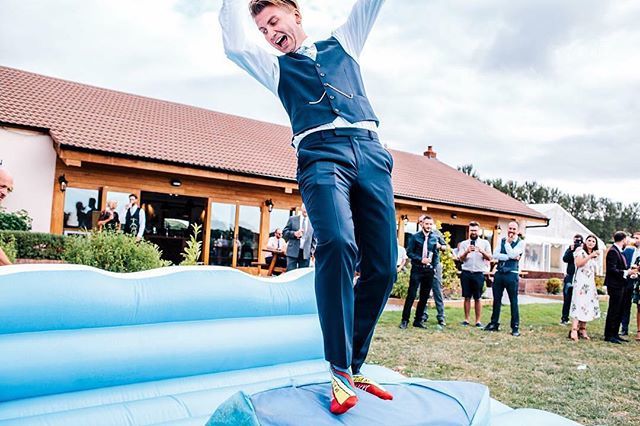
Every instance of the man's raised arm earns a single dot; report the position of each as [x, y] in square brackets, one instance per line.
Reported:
[353, 34]
[257, 62]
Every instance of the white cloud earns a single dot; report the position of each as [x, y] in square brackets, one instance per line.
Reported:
[535, 89]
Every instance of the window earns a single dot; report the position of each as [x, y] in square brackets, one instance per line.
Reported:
[79, 207]
[223, 225]
[410, 228]
[248, 235]
[278, 219]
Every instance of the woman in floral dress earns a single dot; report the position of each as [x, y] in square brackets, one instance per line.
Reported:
[585, 306]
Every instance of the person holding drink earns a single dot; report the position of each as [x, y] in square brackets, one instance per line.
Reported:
[585, 306]
[423, 250]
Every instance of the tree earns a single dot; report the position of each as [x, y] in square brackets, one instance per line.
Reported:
[601, 215]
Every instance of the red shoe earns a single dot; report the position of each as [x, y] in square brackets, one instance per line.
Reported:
[343, 395]
[371, 387]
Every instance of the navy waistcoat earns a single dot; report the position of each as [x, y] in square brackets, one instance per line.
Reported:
[510, 265]
[315, 93]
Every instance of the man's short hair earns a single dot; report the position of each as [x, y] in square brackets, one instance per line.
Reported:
[577, 236]
[619, 236]
[133, 195]
[474, 223]
[257, 6]
[426, 216]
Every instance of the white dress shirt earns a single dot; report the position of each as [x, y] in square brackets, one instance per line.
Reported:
[264, 66]
[276, 243]
[512, 252]
[475, 261]
[143, 220]
[304, 227]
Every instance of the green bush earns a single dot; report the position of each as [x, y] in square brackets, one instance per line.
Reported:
[113, 251]
[8, 245]
[554, 285]
[36, 245]
[193, 250]
[17, 221]
[450, 278]
[401, 287]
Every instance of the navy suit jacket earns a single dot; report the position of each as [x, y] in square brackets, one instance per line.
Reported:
[616, 265]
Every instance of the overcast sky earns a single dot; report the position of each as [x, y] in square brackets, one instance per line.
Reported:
[542, 90]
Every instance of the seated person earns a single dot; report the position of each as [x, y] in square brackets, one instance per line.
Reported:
[277, 243]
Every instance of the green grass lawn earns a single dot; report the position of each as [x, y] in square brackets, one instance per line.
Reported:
[537, 370]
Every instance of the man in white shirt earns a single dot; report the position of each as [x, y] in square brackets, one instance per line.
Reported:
[475, 254]
[277, 243]
[135, 218]
[507, 277]
[402, 258]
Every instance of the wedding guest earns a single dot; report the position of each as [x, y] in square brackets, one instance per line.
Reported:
[627, 296]
[508, 254]
[109, 219]
[402, 258]
[567, 290]
[475, 254]
[423, 250]
[135, 219]
[6, 187]
[617, 272]
[436, 287]
[278, 244]
[585, 306]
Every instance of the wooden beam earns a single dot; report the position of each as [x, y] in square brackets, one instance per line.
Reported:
[182, 170]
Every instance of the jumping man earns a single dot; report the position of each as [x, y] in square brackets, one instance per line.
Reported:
[344, 172]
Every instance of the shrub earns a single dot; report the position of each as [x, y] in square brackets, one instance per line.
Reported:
[8, 245]
[401, 287]
[554, 285]
[193, 249]
[36, 245]
[113, 251]
[450, 279]
[600, 284]
[17, 221]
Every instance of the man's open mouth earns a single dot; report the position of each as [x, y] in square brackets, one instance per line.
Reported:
[280, 40]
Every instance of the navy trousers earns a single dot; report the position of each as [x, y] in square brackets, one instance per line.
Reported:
[506, 281]
[344, 176]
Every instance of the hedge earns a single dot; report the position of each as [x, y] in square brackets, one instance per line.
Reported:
[36, 245]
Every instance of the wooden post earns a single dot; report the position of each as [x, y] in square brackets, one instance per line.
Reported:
[265, 223]
[206, 232]
[400, 234]
[236, 230]
[57, 207]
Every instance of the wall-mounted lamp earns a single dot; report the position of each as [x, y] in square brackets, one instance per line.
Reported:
[454, 216]
[405, 218]
[63, 183]
[499, 229]
[269, 204]
[176, 182]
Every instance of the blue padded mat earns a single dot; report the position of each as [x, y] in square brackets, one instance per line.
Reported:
[424, 403]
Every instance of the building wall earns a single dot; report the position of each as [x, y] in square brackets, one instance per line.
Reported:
[29, 156]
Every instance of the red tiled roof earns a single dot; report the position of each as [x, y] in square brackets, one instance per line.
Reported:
[101, 120]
